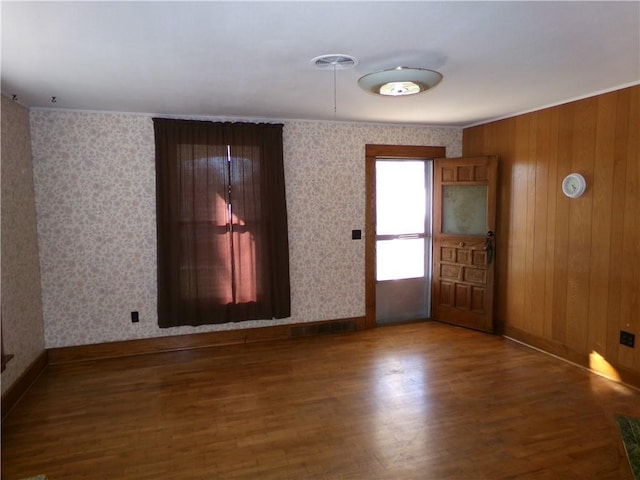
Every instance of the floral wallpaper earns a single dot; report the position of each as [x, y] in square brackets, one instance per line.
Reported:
[95, 195]
[22, 324]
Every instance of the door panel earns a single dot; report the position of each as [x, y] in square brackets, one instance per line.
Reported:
[464, 196]
[404, 300]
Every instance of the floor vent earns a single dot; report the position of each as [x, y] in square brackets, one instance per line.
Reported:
[339, 326]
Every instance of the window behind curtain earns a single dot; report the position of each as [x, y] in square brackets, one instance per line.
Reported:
[223, 251]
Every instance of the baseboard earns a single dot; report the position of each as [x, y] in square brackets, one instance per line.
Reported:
[21, 385]
[144, 346]
[612, 372]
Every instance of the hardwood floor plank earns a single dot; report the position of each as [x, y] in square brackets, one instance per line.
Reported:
[417, 401]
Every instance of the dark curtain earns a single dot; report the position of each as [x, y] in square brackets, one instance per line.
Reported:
[223, 252]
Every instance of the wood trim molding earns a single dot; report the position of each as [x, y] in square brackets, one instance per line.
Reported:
[21, 385]
[5, 360]
[561, 351]
[145, 346]
[404, 151]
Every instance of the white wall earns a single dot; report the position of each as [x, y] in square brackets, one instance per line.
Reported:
[95, 196]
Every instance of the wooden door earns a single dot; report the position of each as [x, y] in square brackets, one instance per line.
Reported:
[464, 215]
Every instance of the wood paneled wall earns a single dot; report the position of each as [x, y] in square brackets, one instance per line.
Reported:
[568, 271]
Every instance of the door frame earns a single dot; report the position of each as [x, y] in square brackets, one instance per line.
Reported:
[372, 153]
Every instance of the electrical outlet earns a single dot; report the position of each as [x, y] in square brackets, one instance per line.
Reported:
[628, 339]
[135, 318]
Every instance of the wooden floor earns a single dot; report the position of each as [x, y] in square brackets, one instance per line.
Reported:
[418, 401]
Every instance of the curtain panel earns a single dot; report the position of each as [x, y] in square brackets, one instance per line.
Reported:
[223, 250]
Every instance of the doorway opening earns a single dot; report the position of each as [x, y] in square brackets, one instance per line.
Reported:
[403, 239]
[398, 235]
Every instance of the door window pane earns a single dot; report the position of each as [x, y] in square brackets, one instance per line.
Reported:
[400, 258]
[400, 197]
[464, 209]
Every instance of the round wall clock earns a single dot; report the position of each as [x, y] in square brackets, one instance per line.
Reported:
[574, 185]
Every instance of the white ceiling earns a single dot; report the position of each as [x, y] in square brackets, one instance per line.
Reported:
[251, 60]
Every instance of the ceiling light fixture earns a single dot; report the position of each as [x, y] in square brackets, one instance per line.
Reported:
[400, 81]
[334, 61]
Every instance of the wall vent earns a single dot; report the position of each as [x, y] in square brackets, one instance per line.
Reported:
[326, 328]
[334, 61]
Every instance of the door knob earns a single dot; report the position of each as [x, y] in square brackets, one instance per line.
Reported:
[489, 247]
